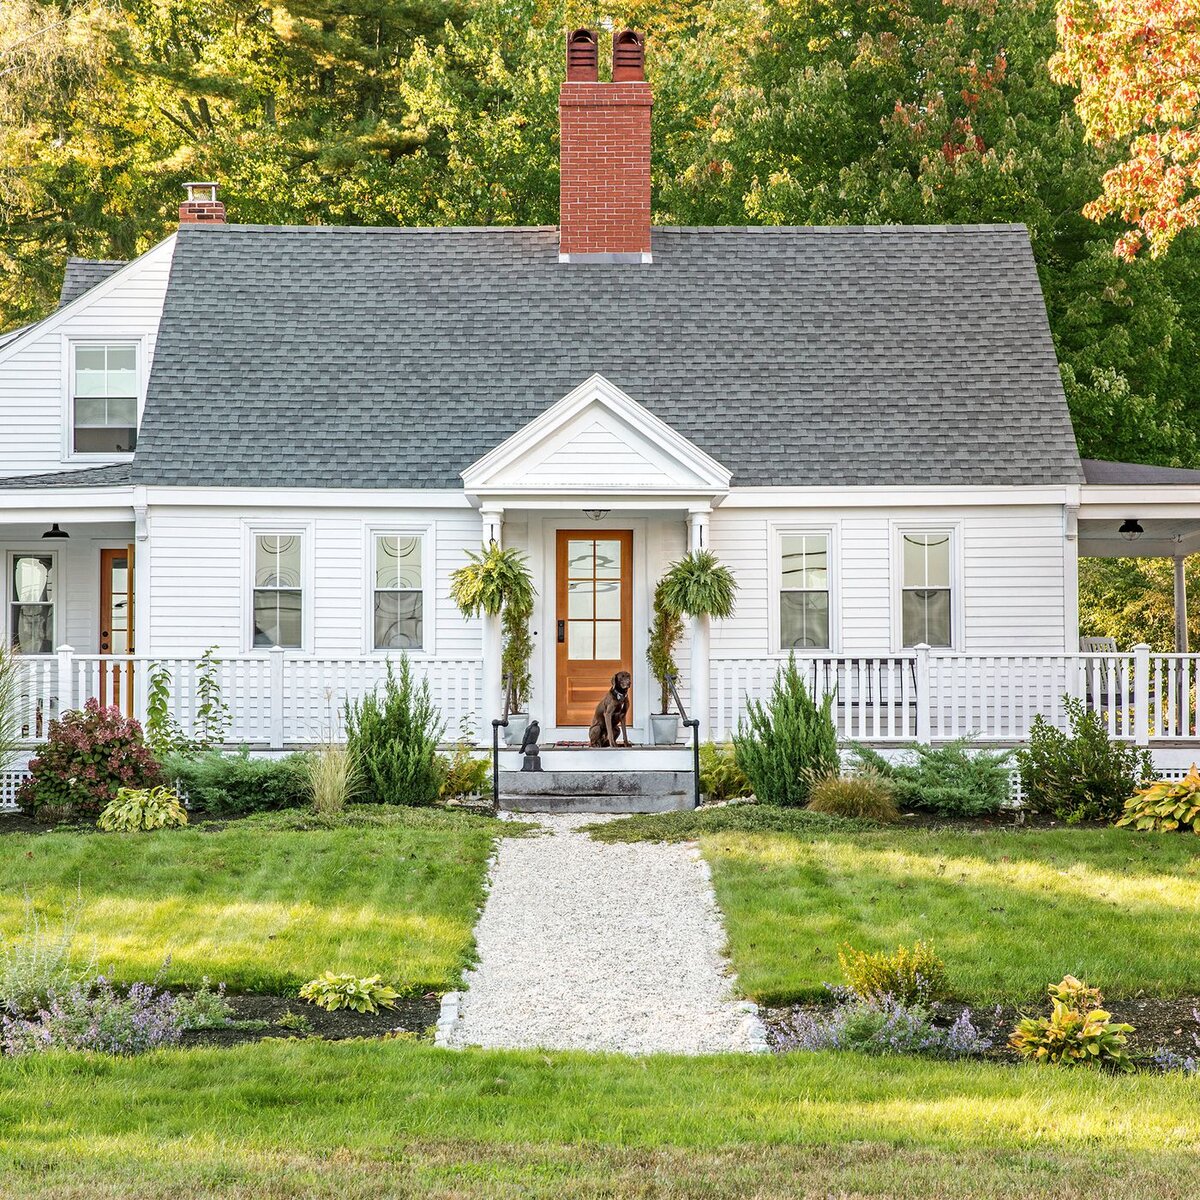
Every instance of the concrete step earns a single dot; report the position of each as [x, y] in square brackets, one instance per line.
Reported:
[596, 791]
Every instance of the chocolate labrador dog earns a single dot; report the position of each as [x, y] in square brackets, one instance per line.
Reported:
[609, 720]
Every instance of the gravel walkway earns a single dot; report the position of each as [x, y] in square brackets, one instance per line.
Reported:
[590, 946]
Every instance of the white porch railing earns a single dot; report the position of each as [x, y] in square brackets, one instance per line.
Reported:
[276, 699]
[282, 699]
[925, 696]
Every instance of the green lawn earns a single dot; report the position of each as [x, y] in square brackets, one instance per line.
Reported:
[1010, 910]
[371, 1119]
[262, 905]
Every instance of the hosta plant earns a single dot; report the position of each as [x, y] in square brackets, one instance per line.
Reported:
[135, 809]
[331, 992]
[916, 976]
[1166, 806]
[1077, 1033]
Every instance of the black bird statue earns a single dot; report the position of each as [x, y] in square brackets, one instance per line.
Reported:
[529, 747]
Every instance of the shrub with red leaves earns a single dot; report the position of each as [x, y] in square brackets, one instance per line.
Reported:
[91, 753]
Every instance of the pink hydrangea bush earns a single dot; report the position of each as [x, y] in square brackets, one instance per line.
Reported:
[91, 753]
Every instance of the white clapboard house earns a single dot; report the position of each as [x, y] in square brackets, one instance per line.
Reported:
[280, 441]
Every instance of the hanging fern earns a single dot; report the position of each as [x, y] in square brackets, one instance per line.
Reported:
[497, 582]
[699, 586]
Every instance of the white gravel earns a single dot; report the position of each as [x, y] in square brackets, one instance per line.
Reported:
[589, 946]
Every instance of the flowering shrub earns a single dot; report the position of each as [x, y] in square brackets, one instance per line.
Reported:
[1076, 1033]
[142, 808]
[92, 753]
[330, 991]
[882, 1025]
[915, 976]
[97, 1017]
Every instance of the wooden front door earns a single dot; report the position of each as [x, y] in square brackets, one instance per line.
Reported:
[594, 629]
[116, 627]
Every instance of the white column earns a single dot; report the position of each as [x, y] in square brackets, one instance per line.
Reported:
[700, 679]
[1141, 694]
[1181, 628]
[140, 584]
[492, 520]
[1071, 579]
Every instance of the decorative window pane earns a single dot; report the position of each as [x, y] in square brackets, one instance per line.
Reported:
[399, 598]
[105, 399]
[31, 604]
[804, 594]
[925, 605]
[278, 597]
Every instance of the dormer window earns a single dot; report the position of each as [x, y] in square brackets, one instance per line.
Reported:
[104, 396]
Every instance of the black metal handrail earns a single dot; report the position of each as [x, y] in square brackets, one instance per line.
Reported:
[694, 725]
[497, 725]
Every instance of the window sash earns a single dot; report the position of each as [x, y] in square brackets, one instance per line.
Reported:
[927, 603]
[104, 397]
[277, 595]
[32, 616]
[804, 622]
[398, 597]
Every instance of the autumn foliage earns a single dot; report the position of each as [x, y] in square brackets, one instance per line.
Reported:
[1137, 66]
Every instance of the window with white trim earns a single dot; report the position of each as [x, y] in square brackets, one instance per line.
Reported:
[804, 592]
[399, 595]
[278, 599]
[104, 398]
[32, 587]
[926, 603]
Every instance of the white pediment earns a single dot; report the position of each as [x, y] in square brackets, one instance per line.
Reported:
[596, 439]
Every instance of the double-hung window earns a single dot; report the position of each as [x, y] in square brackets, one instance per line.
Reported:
[804, 592]
[278, 603]
[32, 585]
[399, 597]
[926, 603]
[104, 398]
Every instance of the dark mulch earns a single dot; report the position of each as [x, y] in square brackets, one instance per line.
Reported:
[1156, 1023]
[414, 1015]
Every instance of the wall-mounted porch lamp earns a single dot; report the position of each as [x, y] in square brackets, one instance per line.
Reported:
[55, 532]
[596, 514]
[1130, 530]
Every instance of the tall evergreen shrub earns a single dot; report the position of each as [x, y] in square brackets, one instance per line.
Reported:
[394, 739]
[788, 741]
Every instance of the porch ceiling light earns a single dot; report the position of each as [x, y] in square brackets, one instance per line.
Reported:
[1130, 530]
[596, 514]
[55, 532]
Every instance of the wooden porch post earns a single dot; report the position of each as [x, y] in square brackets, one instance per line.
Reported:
[1181, 628]
[492, 698]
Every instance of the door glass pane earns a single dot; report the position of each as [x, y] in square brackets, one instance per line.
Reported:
[118, 618]
[33, 578]
[926, 614]
[804, 620]
[579, 559]
[398, 620]
[579, 599]
[579, 640]
[608, 559]
[608, 640]
[608, 599]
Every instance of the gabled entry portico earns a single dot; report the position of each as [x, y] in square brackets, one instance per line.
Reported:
[597, 477]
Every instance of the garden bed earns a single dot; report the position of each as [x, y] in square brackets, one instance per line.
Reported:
[1157, 1023]
[257, 1018]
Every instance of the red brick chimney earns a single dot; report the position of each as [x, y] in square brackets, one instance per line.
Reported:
[604, 165]
[201, 205]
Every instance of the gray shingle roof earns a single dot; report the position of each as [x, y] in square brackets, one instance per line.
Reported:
[82, 274]
[396, 357]
[108, 476]
[1096, 470]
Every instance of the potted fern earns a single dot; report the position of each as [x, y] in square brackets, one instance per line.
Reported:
[660, 655]
[497, 583]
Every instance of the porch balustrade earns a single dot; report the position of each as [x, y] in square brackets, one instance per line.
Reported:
[282, 699]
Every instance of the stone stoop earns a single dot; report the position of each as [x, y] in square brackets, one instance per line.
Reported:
[598, 791]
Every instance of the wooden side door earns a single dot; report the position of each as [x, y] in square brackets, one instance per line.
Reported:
[116, 627]
[594, 619]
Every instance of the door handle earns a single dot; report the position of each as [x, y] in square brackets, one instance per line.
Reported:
[562, 631]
